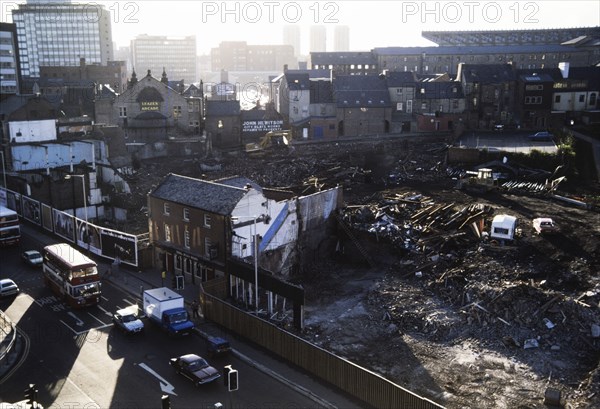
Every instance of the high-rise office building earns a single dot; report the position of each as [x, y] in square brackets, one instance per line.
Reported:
[60, 34]
[318, 39]
[292, 36]
[341, 38]
[10, 80]
[176, 55]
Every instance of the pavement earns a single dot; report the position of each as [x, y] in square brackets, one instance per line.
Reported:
[136, 281]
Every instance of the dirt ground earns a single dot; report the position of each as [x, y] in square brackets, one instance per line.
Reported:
[440, 311]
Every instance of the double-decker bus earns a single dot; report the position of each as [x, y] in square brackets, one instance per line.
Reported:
[71, 275]
[10, 231]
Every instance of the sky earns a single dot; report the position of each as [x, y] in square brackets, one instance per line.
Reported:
[372, 23]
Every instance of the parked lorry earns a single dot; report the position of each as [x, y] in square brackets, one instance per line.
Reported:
[166, 309]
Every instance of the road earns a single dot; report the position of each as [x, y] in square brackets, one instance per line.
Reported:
[77, 359]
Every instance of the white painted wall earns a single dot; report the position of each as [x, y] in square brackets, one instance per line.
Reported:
[32, 131]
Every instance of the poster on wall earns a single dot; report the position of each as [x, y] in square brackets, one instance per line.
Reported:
[47, 217]
[119, 246]
[88, 236]
[63, 225]
[32, 211]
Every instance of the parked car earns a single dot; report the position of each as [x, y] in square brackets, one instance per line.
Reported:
[217, 346]
[127, 320]
[541, 136]
[195, 368]
[33, 258]
[8, 288]
[498, 127]
[544, 225]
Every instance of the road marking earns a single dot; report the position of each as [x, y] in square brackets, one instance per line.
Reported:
[165, 386]
[104, 298]
[78, 321]
[96, 318]
[106, 312]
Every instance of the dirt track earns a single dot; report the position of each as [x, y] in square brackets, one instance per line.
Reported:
[449, 322]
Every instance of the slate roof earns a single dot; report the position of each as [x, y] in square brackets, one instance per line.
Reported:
[464, 50]
[545, 74]
[223, 108]
[486, 73]
[592, 74]
[297, 81]
[361, 91]
[239, 182]
[400, 78]
[217, 198]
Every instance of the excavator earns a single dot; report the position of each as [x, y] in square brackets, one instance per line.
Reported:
[273, 141]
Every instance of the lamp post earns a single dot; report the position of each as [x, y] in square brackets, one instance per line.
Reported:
[3, 170]
[255, 245]
[67, 177]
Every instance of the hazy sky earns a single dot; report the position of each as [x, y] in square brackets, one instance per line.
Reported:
[372, 23]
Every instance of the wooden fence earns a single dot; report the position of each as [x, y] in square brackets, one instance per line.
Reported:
[361, 383]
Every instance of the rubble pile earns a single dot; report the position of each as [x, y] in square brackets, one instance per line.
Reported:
[415, 223]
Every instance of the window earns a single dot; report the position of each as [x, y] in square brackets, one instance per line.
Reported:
[186, 214]
[166, 209]
[167, 233]
[557, 98]
[186, 238]
[399, 91]
[409, 106]
[423, 105]
[592, 99]
[207, 221]
[207, 246]
[399, 106]
[122, 112]
[582, 98]
[177, 111]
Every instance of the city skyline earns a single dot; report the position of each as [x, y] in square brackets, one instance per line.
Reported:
[380, 24]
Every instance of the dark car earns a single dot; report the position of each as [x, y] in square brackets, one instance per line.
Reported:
[541, 136]
[33, 258]
[195, 368]
[218, 346]
[128, 321]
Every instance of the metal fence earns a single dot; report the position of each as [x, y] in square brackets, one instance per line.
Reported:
[361, 383]
[7, 336]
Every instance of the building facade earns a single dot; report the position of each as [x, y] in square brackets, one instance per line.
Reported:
[292, 35]
[240, 56]
[341, 38]
[318, 39]
[60, 34]
[150, 111]
[175, 55]
[10, 75]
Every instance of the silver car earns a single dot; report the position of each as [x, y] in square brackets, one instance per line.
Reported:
[8, 288]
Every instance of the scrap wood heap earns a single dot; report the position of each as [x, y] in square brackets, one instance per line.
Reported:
[415, 223]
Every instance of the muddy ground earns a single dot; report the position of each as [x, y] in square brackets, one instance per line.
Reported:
[438, 310]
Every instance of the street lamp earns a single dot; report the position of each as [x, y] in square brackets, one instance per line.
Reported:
[3, 170]
[67, 177]
[255, 245]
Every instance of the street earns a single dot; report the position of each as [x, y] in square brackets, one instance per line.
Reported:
[76, 358]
